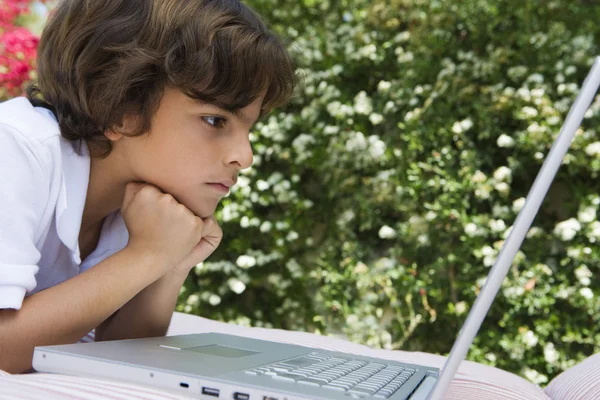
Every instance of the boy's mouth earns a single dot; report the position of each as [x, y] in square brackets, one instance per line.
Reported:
[222, 187]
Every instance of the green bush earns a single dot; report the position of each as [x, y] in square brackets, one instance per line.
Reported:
[380, 197]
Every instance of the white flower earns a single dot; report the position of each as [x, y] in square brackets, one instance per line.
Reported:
[550, 353]
[471, 229]
[246, 261]
[293, 235]
[497, 225]
[362, 103]
[302, 141]
[518, 204]
[529, 112]
[461, 307]
[535, 128]
[245, 222]
[487, 251]
[376, 119]
[502, 187]
[537, 92]
[553, 120]
[384, 86]
[583, 274]
[479, 177]
[387, 232]
[376, 147]
[530, 339]
[262, 185]
[462, 126]
[431, 215]
[535, 376]
[466, 124]
[406, 57]
[503, 174]
[457, 128]
[567, 230]
[356, 142]
[214, 300]
[595, 230]
[587, 215]
[517, 72]
[537, 78]
[193, 300]
[587, 293]
[266, 226]
[331, 130]
[236, 285]
[505, 141]
[403, 36]
[593, 149]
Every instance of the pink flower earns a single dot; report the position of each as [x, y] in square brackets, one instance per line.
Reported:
[17, 49]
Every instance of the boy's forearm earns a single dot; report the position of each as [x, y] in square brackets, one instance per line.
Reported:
[148, 314]
[66, 312]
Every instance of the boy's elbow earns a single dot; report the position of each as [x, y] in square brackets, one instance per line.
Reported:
[12, 357]
[15, 368]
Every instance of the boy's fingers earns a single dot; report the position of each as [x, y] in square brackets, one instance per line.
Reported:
[210, 226]
[131, 190]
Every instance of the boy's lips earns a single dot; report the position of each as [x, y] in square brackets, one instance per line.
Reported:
[222, 186]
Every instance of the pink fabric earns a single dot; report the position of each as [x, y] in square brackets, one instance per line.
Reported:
[581, 382]
[472, 382]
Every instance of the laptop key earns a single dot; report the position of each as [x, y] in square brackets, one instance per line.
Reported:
[283, 378]
[316, 379]
[346, 386]
[337, 388]
[361, 390]
[282, 368]
[287, 377]
[308, 383]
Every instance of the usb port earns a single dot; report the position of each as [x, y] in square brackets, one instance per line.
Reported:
[210, 392]
[241, 396]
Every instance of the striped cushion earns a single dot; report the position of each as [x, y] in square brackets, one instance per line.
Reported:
[581, 382]
[473, 381]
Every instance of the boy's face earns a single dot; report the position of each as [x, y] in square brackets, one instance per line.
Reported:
[193, 151]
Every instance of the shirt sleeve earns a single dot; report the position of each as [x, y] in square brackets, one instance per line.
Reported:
[23, 196]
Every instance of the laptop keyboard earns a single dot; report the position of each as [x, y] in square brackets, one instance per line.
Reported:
[339, 374]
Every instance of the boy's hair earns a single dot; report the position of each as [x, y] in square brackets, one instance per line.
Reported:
[101, 60]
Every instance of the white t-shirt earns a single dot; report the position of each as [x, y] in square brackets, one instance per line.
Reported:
[43, 186]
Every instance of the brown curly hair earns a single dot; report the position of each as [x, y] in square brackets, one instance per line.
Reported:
[99, 61]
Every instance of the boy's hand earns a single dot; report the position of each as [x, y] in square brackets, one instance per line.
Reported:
[161, 226]
[211, 237]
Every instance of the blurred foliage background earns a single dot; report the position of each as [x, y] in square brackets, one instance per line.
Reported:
[380, 197]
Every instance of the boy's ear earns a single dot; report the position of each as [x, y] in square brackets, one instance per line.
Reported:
[128, 125]
[112, 135]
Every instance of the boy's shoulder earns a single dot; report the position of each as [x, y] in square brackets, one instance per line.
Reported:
[36, 125]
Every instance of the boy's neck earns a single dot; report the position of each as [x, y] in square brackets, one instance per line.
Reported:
[106, 189]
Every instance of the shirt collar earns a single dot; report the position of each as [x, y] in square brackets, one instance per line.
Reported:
[73, 191]
[69, 209]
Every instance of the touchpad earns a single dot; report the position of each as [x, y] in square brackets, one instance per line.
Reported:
[222, 351]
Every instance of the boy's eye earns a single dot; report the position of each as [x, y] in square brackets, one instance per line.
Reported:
[215, 122]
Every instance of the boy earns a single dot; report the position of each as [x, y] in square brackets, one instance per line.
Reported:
[111, 170]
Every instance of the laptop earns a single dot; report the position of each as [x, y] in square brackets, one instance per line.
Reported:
[220, 366]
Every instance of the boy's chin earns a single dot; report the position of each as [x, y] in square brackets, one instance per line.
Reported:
[206, 211]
